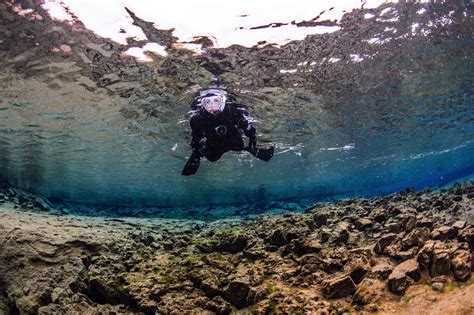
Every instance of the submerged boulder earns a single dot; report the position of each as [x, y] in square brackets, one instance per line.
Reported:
[363, 224]
[461, 265]
[383, 242]
[382, 270]
[340, 234]
[304, 245]
[403, 274]
[440, 263]
[278, 238]
[416, 237]
[369, 291]
[338, 287]
[444, 233]
[239, 293]
[320, 219]
[467, 235]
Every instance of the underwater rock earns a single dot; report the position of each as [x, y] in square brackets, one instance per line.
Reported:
[238, 293]
[358, 268]
[320, 219]
[459, 225]
[338, 287]
[369, 291]
[254, 254]
[219, 305]
[440, 263]
[4, 308]
[383, 242]
[437, 286]
[340, 234]
[467, 235]
[106, 291]
[210, 286]
[417, 237]
[378, 215]
[403, 274]
[409, 222]
[278, 238]
[425, 254]
[363, 223]
[324, 234]
[392, 227]
[425, 223]
[435, 256]
[444, 233]
[461, 265]
[303, 246]
[334, 261]
[225, 244]
[239, 273]
[382, 270]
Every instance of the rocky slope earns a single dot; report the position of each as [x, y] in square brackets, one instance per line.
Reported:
[410, 252]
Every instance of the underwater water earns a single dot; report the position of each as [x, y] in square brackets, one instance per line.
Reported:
[384, 102]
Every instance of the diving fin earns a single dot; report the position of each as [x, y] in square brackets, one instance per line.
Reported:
[262, 154]
[192, 165]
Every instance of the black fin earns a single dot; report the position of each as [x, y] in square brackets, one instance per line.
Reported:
[265, 154]
[192, 165]
[261, 154]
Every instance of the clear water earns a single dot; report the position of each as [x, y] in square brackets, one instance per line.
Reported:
[384, 103]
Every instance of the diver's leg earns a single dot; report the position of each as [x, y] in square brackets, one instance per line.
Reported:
[236, 143]
[264, 154]
[213, 155]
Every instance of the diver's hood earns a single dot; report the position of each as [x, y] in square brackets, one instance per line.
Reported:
[212, 92]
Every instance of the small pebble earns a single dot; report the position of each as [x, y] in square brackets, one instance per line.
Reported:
[437, 286]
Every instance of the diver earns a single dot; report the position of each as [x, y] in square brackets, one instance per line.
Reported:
[217, 123]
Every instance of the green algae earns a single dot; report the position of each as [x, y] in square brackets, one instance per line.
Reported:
[271, 288]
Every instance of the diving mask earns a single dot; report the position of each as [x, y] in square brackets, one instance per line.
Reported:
[213, 104]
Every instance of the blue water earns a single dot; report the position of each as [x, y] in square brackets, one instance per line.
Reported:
[414, 131]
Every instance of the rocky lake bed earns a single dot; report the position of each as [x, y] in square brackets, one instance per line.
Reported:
[409, 252]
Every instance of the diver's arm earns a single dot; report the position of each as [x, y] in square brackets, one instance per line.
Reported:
[192, 165]
[249, 130]
[197, 133]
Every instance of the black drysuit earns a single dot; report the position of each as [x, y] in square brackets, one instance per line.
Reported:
[215, 134]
